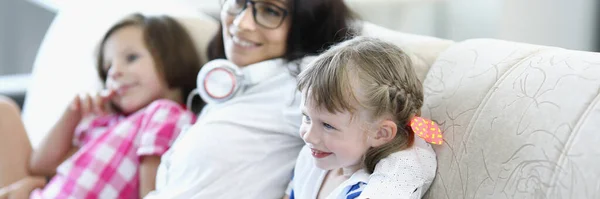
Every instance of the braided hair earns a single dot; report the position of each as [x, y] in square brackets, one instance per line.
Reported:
[374, 76]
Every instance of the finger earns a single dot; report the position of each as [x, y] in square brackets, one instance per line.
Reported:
[98, 103]
[108, 94]
[81, 104]
[75, 103]
[86, 104]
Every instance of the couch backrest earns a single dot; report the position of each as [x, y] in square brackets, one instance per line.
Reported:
[423, 50]
[519, 121]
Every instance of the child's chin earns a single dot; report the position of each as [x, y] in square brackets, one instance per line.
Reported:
[127, 108]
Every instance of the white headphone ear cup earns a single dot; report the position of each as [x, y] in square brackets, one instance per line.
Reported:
[218, 81]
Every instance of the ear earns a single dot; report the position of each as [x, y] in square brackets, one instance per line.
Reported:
[386, 132]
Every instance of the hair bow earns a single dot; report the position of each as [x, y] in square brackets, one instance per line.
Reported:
[427, 129]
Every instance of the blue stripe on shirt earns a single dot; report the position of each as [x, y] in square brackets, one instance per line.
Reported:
[352, 193]
[292, 195]
[355, 190]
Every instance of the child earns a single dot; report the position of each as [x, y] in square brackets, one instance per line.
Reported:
[108, 144]
[359, 100]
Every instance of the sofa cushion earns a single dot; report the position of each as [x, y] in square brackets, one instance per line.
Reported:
[519, 121]
[65, 61]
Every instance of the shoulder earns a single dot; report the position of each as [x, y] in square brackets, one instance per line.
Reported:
[404, 173]
[167, 110]
[164, 104]
[418, 162]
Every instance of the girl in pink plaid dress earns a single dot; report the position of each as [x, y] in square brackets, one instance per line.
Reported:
[108, 144]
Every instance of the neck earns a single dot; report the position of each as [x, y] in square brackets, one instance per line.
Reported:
[348, 171]
[175, 95]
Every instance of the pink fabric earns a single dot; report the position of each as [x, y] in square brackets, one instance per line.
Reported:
[106, 165]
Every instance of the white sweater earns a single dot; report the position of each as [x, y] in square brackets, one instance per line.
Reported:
[243, 148]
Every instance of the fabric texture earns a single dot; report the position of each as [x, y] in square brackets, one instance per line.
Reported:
[106, 164]
[519, 121]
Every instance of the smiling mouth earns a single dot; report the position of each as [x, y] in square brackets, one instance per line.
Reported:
[319, 154]
[244, 43]
[122, 88]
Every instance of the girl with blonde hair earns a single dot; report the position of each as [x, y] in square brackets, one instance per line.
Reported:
[361, 102]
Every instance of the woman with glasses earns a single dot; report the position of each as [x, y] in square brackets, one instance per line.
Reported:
[245, 144]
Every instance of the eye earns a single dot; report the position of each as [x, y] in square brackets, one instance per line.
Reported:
[305, 118]
[272, 11]
[328, 127]
[132, 58]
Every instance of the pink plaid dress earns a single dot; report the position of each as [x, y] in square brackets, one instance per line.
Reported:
[106, 165]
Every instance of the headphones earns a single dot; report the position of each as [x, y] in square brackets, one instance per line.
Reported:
[221, 80]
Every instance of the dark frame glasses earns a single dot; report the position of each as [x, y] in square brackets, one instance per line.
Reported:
[265, 14]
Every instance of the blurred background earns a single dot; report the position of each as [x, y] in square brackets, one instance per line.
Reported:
[569, 24]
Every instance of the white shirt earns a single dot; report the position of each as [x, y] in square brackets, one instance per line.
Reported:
[403, 174]
[243, 148]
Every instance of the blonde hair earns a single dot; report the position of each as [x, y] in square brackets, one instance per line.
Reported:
[385, 85]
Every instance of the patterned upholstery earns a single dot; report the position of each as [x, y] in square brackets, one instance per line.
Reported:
[519, 121]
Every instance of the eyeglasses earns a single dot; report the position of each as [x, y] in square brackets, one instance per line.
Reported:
[265, 14]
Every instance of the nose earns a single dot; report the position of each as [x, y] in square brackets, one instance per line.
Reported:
[115, 71]
[245, 19]
[309, 135]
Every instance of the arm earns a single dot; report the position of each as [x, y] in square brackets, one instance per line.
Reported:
[148, 167]
[161, 125]
[56, 146]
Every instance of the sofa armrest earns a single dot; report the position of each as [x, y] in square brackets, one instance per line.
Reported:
[15, 87]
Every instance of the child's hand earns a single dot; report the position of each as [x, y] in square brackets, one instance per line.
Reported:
[96, 103]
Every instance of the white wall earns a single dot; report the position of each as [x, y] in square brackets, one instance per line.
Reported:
[569, 24]
[414, 16]
[466, 19]
[566, 23]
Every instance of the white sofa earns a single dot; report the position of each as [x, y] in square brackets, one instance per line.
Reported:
[519, 120]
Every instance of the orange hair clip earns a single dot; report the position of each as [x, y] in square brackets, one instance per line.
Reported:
[427, 129]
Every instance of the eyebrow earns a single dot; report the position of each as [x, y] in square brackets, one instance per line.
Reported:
[283, 2]
[126, 49]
